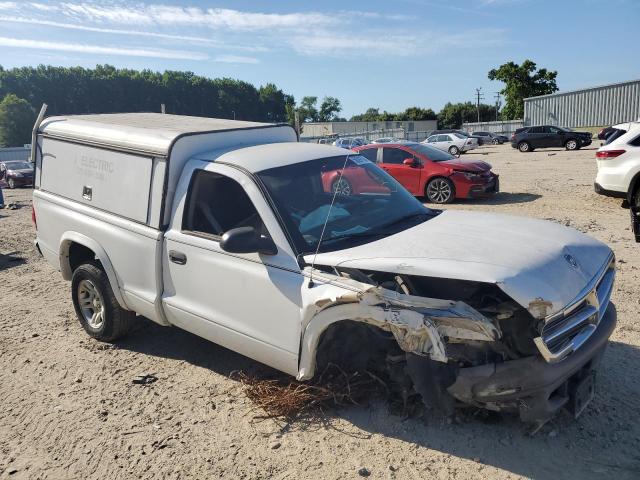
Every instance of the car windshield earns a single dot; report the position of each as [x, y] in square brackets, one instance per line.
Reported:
[432, 153]
[566, 129]
[18, 165]
[369, 203]
[459, 135]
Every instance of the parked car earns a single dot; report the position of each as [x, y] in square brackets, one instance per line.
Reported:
[386, 140]
[454, 143]
[489, 137]
[349, 142]
[527, 139]
[427, 171]
[479, 140]
[619, 169]
[18, 173]
[225, 229]
[605, 132]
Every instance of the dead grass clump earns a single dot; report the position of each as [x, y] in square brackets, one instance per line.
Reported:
[290, 399]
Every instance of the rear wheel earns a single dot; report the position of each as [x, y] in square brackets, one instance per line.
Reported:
[96, 306]
[453, 150]
[571, 145]
[341, 186]
[440, 190]
[524, 147]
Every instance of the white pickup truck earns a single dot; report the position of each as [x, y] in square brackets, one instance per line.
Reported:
[238, 233]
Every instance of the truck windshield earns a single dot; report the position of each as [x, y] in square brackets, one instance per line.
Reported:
[369, 203]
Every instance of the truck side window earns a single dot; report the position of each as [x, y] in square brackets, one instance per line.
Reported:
[216, 204]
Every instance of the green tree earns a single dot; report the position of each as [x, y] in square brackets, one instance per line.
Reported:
[416, 113]
[329, 108]
[522, 81]
[16, 121]
[307, 110]
[371, 115]
[453, 115]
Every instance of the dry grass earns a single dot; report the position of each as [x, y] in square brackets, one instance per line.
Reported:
[288, 399]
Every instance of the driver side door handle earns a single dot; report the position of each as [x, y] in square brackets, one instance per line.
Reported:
[177, 257]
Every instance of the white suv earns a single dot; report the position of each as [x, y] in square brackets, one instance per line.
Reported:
[619, 169]
[619, 163]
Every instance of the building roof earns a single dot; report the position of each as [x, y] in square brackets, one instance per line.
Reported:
[262, 157]
[586, 89]
[148, 132]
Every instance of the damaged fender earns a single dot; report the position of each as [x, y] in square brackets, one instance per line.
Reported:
[419, 324]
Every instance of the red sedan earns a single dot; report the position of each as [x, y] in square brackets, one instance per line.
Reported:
[427, 171]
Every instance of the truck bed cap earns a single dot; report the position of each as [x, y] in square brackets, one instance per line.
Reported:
[141, 132]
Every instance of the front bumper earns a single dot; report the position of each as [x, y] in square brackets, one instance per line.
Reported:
[484, 190]
[22, 181]
[535, 389]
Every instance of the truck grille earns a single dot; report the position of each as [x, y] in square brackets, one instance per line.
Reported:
[565, 332]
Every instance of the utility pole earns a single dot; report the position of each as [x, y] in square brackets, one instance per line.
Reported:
[497, 97]
[479, 96]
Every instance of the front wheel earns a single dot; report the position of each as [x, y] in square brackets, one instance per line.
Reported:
[524, 147]
[571, 145]
[440, 190]
[96, 306]
[12, 183]
[453, 150]
[342, 187]
[495, 141]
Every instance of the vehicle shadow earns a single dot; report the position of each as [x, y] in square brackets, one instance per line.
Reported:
[600, 444]
[152, 339]
[505, 198]
[10, 260]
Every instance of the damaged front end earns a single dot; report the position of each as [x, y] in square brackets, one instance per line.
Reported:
[453, 342]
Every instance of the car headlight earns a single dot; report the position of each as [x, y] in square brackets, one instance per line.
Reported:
[16, 174]
[469, 176]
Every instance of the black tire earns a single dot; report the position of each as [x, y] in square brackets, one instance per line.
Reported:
[525, 147]
[453, 150]
[115, 320]
[571, 144]
[343, 185]
[495, 141]
[440, 190]
[12, 183]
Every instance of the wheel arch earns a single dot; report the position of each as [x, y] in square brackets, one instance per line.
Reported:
[69, 242]
[633, 186]
[446, 176]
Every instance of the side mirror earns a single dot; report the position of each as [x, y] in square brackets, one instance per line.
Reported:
[247, 240]
[410, 162]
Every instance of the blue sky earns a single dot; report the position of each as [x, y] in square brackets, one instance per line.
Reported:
[390, 55]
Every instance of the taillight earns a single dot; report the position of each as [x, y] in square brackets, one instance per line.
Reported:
[33, 217]
[609, 153]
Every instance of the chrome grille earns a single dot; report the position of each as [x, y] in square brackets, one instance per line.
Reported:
[566, 331]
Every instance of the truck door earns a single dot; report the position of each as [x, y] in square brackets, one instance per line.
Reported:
[249, 303]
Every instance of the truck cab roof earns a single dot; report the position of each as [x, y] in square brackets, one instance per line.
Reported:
[153, 133]
[255, 158]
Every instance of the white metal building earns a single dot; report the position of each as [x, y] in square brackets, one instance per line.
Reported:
[14, 153]
[320, 129]
[589, 107]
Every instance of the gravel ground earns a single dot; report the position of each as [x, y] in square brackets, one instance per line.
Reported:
[69, 408]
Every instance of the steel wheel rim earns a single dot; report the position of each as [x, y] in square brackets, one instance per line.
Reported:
[571, 145]
[91, 304]
[341, 187]
[439, 191]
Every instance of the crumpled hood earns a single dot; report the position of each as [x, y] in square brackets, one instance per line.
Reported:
[529, 259]
[467, 165]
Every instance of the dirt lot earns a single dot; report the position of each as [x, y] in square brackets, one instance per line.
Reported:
[68, 408]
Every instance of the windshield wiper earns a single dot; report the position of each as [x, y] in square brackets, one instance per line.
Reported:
[407, 218]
